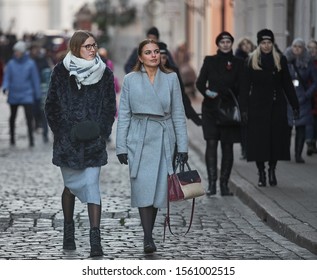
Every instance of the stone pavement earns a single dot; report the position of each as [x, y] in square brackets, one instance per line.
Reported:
[289, 208]
[31, 219]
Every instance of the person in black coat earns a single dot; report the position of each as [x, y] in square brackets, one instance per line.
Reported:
[152, 33]
[265, 90]
[189, 110]
[80, 110]
[244, 48]
[219, 74]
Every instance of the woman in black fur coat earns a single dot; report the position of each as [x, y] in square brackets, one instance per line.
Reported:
[80, 110]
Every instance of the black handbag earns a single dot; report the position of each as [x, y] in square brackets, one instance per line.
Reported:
[85, 131]
[228, 110]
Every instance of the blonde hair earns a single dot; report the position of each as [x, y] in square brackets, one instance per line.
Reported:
[256, 60]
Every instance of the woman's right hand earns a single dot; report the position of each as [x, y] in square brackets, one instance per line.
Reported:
[123, 158]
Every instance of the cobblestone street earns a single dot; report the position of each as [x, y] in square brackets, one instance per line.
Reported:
[31, 219]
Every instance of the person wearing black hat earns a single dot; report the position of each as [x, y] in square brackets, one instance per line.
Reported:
[220, 75]
[265, 90]
[189, 110]
[153, 34]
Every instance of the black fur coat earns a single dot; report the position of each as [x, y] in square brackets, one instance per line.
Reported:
[66, 105]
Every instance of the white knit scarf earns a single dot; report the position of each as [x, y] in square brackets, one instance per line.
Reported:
[86, 72]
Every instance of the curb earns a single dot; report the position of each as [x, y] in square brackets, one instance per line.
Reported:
[269, 212]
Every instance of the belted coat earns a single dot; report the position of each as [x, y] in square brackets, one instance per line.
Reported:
[151, 122]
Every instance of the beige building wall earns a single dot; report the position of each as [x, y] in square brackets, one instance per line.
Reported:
[206, 19]
[31, 16]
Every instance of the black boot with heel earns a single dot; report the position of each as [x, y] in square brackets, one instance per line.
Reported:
[226, 166]
[95, 242]
[261, 173]
[271, 174]
[69, 236]
[211, 163]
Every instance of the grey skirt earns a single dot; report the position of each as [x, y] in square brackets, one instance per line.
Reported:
[83, 183]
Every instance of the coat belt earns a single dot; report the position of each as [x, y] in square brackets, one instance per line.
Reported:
[167, 147]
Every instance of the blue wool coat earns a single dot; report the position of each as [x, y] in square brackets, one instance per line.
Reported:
[304, 93]
[151, 121]
[22, 80]
[66, 106]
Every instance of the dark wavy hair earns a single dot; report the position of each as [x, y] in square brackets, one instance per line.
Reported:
[138, 65]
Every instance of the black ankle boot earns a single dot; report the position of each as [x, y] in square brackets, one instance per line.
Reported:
[224, 189]
[262, 178]
[149, 246]
[272, 177]
[95, 242]
[69, 236]
[212, 188]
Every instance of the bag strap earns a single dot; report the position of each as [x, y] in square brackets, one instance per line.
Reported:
[167, 218]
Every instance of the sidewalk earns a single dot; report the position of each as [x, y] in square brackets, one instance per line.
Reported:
[289, 208]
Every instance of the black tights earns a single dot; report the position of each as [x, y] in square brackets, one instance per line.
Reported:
[68, 205]
[29, 117]
[148, 216]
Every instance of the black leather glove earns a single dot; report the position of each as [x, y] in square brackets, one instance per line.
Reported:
[123, 158]
[182, 158]
[244, 118]
[296, 114]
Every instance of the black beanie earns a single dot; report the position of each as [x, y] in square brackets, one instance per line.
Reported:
[224, 35]
[153, 31]
[265, 34]
[162, 47]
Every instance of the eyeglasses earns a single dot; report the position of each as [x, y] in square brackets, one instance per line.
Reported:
[90, 46]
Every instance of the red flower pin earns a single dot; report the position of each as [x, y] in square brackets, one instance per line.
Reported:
[229, 65]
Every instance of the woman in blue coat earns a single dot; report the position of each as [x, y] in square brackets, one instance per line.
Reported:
[304, 75]
[151, 121]
[22, 82]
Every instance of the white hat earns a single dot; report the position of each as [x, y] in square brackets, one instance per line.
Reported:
[20, 46]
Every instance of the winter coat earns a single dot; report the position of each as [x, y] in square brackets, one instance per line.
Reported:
[219, 73]
[151, 121]
[66, 106]
[264, 96]
[305, 88]
[314, 97]
[22, 80]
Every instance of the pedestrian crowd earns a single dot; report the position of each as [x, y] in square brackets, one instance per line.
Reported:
[255, 95]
